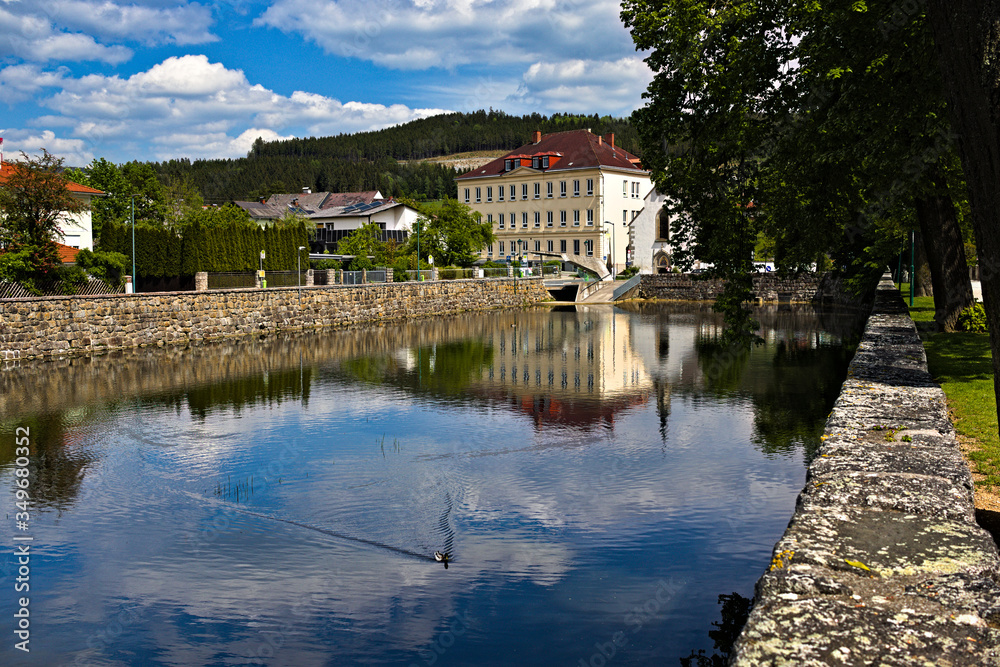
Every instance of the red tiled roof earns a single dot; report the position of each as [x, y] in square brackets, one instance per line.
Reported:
[579, 149]
[6, 169]
[67, 254]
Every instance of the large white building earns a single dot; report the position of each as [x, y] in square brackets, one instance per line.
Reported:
[568, 194]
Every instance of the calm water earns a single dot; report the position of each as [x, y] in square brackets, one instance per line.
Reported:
[599, 478]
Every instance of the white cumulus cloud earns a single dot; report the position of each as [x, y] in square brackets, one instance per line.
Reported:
[188, 106]
[418, 34]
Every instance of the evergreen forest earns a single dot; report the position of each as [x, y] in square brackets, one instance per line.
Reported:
[389, 160]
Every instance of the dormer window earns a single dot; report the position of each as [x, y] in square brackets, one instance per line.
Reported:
[545, 162]
[535, 163]
[508, 165]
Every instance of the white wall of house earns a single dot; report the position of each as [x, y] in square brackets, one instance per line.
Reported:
[397, 218]
[78, 228]
[622, 200]
[649, 245]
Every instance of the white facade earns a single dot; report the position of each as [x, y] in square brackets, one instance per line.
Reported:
[78, 228]
[650, 232]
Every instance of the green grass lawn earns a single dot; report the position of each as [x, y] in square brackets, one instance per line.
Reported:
[962, 364]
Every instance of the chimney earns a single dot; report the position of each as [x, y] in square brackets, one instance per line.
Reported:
[600, 140]
[611, 140]
[307, 190]
[538, 136]
[262, 200]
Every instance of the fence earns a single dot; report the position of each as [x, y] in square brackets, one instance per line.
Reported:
[58, 288]
[231, 280]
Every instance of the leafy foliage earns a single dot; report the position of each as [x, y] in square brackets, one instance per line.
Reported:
[108, 266]
[973, 319]
[213, 240]
[456, 235]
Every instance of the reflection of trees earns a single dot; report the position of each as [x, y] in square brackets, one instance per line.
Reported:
[735, 610]
[790, 410]
[269, 388]
[446, 369]
[57, 464]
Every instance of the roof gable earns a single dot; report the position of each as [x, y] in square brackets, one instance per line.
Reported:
[576, 149]
[7, 170]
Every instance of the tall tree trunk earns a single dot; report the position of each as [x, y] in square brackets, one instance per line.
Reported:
[945, 251]
[923, 284]
[967, 37]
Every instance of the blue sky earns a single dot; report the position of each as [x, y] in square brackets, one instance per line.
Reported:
[161, 79]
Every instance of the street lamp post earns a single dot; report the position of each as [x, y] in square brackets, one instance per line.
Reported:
[612, 248]
[299, 258]
[132, 199]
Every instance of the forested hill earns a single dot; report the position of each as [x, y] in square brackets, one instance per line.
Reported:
[370, 160]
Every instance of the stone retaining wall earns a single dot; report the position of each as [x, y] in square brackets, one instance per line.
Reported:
[883, 562]
[50, 326]
[804, 288]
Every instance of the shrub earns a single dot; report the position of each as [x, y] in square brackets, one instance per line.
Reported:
[973, 319]
[325, 264]
[629, 271]
[108, 266]
[72, 279]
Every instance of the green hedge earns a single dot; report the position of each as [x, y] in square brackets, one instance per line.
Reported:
[160, 252]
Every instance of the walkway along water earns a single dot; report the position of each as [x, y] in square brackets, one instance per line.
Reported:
[883, 562]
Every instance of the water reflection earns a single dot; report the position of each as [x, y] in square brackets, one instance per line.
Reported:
[279, 501]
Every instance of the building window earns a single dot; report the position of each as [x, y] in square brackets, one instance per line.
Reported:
[590, 217]
[545, 162]
[562, 245]
[489, 250]
[548, 190]
[562, 218]
[549, 245]
[513, 193]
[625, 217]
[501, 247]
[466, 195]
[576, 188]
[538, 246]
[524, 190]
[500, 193]
[538, 219]
[508, 165]
[535, 163]
[576, 246]
[489, 218]
[501, 221]
[524, 220]
[548, 218]
[588, 245]
[590, 187]
[489, 193]
[625, 188]
[576, 218]
[538, 190]
[663, 225]
[562, 188]
[478, 195]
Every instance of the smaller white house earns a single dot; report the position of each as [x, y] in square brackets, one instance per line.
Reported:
[650, 235]
[77, 228]
[336, 214]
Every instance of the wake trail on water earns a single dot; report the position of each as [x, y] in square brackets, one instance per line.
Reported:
[332, 533]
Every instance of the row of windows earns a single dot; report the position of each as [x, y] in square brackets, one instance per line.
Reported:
[537, 162]
[511, 191]
[520, 245]
[635, 192]
[509, 221]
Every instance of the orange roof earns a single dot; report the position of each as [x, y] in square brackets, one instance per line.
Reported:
[67, 254]
[6, 169]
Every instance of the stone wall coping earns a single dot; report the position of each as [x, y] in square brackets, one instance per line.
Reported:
[883, 562]
[142, 295]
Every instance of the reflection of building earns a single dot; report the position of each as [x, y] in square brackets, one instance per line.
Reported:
[572, 368]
